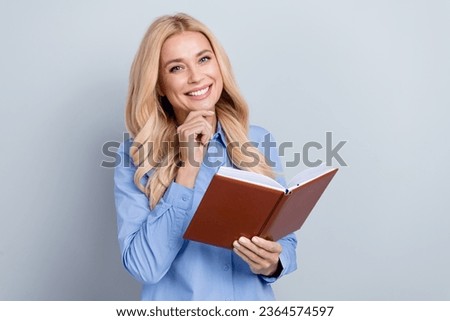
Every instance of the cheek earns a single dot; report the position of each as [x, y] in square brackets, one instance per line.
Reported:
[172, 87]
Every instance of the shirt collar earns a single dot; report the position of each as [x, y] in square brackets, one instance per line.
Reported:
[219, 136]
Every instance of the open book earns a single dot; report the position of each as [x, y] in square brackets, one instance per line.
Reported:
[241, 203]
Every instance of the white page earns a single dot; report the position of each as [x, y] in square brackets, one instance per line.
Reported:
[309, 174]
[250, 177]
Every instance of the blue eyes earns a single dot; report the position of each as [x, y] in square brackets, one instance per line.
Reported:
[178, 68]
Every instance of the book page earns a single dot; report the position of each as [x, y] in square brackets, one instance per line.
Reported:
[308, 175]
[250, 177]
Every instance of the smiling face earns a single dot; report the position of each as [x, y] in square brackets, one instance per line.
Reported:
[189, 74]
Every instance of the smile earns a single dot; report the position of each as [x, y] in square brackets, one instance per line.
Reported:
[199, 92]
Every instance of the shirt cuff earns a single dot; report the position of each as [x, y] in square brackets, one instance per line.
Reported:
[179, 196]
[271, 279]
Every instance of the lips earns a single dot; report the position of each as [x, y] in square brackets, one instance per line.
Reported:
[199, 92]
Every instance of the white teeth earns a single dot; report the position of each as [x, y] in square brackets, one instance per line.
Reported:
[199, 92]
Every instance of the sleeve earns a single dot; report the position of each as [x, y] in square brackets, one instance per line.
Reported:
[288, 257]
[149, 240]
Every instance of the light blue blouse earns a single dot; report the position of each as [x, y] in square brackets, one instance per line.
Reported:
[172, 268]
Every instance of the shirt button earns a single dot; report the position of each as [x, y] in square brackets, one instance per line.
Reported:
[184, 198]
[226, 267]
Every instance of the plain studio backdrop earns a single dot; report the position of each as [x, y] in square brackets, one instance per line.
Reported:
[373, 73]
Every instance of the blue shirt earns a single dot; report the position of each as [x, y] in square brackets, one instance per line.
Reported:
[172, 268]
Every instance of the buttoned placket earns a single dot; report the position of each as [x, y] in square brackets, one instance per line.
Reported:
[221, 156]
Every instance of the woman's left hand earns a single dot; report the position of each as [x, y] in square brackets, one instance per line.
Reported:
[261, 255]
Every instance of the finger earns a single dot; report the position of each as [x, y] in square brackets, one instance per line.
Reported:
[253, 252]
[269, 246]
[195, 137]
[240, 252]
[260, 266]
[195, 124]
[199, 113]
[200, 116]
[200, 131]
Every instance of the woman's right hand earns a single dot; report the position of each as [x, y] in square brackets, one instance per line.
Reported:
[194, 135]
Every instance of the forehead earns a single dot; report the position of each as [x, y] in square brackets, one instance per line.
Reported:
[184, 45]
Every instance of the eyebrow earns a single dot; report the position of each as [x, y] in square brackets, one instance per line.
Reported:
[181, 59]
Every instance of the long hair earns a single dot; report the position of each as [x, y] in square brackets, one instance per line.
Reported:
[150, 119]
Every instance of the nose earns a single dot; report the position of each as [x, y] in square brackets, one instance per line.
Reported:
[195, 75]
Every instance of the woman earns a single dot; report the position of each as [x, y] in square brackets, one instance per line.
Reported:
[183, 110]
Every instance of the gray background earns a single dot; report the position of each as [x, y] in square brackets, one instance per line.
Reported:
[375, 73]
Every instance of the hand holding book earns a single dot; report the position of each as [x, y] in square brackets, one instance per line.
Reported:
[262, 256]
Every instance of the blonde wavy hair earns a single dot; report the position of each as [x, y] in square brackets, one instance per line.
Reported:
[150, 119]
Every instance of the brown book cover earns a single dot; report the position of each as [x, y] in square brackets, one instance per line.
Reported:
[240, 203]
